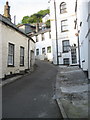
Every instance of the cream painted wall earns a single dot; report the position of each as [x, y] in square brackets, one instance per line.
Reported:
[0, 50]
[32, 50]
[9, 35]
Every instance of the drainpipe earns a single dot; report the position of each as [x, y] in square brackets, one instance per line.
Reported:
[79, 51]
[56, 32]
[28, 53]
[78, 37]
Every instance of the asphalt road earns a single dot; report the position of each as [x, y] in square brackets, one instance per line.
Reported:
[32, 95]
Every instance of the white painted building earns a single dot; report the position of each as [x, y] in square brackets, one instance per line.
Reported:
[16, 49]
[64, 40]
[83, 23]
[45, 18]
[43, 46]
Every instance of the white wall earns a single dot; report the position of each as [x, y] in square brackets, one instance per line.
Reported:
[22, 28]
[45, 18]
[82, 14]
[89, 40]
[41, 44]
[70, 35]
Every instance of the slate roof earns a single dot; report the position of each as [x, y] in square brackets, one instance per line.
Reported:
[6, 21]
[41, 32]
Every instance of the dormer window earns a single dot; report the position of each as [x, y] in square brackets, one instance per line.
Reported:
[63, 8]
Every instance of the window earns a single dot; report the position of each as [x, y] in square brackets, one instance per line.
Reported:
[64, 26]
[43, 50]
[63, 8]
[42, 36]
[74, 56]
[36, 38]
[11, 54]
[66, 45]
[49, 49]
[66, 61]
[21, 56]
[37, 51]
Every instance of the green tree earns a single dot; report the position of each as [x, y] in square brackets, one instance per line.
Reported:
[48, 23]
[25, 19]
[37, 17]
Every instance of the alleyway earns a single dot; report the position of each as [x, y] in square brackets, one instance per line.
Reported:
[32, 95]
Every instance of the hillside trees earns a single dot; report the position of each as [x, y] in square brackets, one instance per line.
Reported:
[37, 17]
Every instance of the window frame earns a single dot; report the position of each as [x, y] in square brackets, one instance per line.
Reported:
[64, 25]
[65, 46]
[63, 8]
[11, 54]
[48, 49]
[74, 55]
[22, 56]
[43, 52]
[66, 60]
[36, 51]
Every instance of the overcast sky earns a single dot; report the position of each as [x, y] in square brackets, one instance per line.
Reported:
[22, 8]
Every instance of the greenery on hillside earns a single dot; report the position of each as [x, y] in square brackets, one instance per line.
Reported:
[37, 17]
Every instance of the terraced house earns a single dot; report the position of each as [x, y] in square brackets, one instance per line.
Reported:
[16, 48]
[63, 32]
[43, 46]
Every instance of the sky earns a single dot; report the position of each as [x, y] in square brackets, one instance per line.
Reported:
[22, 8]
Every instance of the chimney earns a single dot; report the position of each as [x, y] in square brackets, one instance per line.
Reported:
[37, 27]
[7, 11]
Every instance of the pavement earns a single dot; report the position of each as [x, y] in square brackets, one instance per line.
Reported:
[16, 77]
[72, 92]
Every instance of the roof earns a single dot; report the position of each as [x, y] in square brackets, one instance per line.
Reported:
[26, 25]
[10, 24]
[41, 32]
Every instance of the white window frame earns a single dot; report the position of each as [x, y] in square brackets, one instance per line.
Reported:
[64, 25]
[10, 54]
[49, 49]
[63, 8]
[21, 56]
[66, 46]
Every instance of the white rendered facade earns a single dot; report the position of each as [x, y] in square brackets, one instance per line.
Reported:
[43, 46]
[45, 18]
[63, 29]
[83, 22]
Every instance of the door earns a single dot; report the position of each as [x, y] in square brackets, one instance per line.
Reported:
[32, 58]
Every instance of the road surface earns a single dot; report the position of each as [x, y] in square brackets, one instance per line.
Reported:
[32, 95]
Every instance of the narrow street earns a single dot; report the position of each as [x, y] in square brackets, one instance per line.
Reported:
[32, 95]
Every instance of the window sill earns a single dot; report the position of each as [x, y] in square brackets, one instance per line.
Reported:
[63, 12]
[64, 31]
[21, 65]
[10, 66]
[66, 52]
